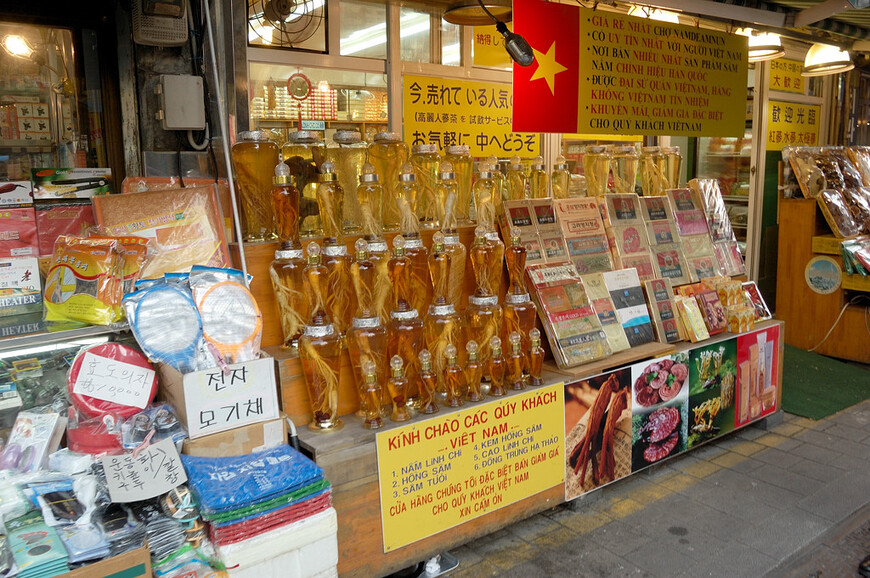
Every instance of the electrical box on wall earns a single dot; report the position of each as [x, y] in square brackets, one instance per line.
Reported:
[181, 102]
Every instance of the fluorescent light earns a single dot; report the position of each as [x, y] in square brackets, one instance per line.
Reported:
[376, 35]
[654, 14]
[762, 45]
[824, 59]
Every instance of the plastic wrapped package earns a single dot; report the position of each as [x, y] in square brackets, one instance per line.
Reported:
[184, 224]
[837, 213]
[858, 202]
[55, 219]
[159, 418]
[83, 283]
[188, 562]
[95, 435]
[861, 159]
[809, 176]
[150, 311]
[851, 175]
[714, 207]
[128, 367]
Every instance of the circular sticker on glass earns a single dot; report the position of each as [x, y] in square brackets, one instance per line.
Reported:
[823, 275]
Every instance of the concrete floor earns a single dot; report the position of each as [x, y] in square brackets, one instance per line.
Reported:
[779, 499]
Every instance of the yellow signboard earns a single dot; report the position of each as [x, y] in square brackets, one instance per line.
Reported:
[488, 48]
[478, 114]
[639, 76]
[791, 124]
[604, 137]
[785, 76]
[446, 470]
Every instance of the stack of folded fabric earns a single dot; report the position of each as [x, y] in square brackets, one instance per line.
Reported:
[253, 502]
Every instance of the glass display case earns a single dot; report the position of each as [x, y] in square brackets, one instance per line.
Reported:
[728, 160]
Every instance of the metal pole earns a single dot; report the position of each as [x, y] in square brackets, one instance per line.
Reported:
[225, 130]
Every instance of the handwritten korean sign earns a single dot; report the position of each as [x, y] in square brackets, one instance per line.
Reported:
[114, 381]
[785, 76]
[792, 124]
[155, 470]
[217, 401]
[462, 112]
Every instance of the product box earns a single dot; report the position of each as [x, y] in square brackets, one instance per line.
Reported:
[213, 401]
[16, 194]
[662, 233]
[18, 236]
[627, 293]
[656, 209]
[553, 245]
[544, 215]
[133, 564]
[534, 253]
[623, 209]
[239, 441]
[56, 183]
[56, 219]
[518, 214]
[671, 264]
[714, 313]
[602, 303]
[642, 263]
[20, 286]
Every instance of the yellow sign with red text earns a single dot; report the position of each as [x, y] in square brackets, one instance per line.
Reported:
[441, 472]
[785, 76]
[488, 48]
[447, 112]
[792, 124]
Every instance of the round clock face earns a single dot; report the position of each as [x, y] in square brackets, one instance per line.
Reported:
[298, 86]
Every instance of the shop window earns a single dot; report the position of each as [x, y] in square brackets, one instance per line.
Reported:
[300, 24]
[415, 34]
[334, 99]
[363, 29]
[450, 43]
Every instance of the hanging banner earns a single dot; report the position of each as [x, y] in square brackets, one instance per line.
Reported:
[438, 473]
[445, 112]
[785, 76]
[631, 76]
[792, 124]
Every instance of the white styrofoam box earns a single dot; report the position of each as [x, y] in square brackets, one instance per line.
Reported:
[322, 526]
[316, 560]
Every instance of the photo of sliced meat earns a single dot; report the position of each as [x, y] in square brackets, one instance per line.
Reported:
[659, 451]
[660, 381]
[661, 423]
[658, 434]
[680, 371]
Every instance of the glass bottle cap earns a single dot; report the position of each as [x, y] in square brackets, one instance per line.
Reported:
[623, 150]
[516, 163]
[479, 232]
[515, 235]
[446, 171]
[538, 163]
[450, 353]
[650, 150]
[471, 348]
[535, 337]
[369, 174]
[370, 370]
[362, 249]
[672, 150]
[313, 253]
[561, 163]
[254, 136]
[419, 149]
[399, 245]
[438, 242]
[327, 172]
[396, 365]
[282, 174]
[484, 170]
[407, 174]
[385, 137]
[495, 344]
[345, 136]
[425, 358]
[515, 340]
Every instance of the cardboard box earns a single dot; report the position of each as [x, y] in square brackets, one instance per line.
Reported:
[239, 441]
[135, 564]
[212, 401]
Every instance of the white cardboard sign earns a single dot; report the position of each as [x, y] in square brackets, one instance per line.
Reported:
[114, 381]
[154, 471]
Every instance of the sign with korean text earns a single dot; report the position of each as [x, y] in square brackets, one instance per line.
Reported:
[604, 73]
[114, 381]
[488, 49]
[792, 124]
[243, 394]
[438, 473]
[463, 112]
[785, 76]
[147, 473]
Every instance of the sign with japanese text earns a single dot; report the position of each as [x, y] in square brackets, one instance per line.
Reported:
[792, 124]
[488, 48]
[147, 473]
[604, 73]
[114, 381]
[785, 76]
[243, 394]
[463, 112]
[441, 472]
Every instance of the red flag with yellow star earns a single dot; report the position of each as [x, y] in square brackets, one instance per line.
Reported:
[545, 93]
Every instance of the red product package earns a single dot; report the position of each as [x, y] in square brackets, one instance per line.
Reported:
[58, 219]
[18, 236]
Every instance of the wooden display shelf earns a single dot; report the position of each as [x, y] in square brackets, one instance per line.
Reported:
[830, 245]
[621, 359]
[856, 283]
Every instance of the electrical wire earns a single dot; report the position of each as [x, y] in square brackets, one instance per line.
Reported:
[854, 301]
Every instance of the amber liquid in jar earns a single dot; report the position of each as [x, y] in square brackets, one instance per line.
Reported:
[254, 162]
[288, 282]
[348, 154]
[304, 154]
[340, 298]
[388, 153]
[463, 167]
[426, 160]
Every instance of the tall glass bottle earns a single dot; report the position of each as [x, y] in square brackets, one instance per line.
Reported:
[536, 358]
[373, 395]
[425, 159]
[397, 387]
[596, 167]
[539, 180]
[499, 180]
[624, 162]
[454, 378]
[304, 153]
[560, 179]
[446, 191]
[367, 337]
[330, 203]
[254, 159]
[483, 315]
[516, 362]
[454, 247]
[405, 330]
[370, 193]
[285, 207]
[388, 153]
[652, 180]
[408, 189]
[427, 384]
[415, 251]
[320, 349]
[463, 165]
[516, 181]
[473, 373]
[671, 166]
[340, 299]
[486, 197]
[443, 324]
[497, 367]
[519, 310]
[487, 221]
[348, 153]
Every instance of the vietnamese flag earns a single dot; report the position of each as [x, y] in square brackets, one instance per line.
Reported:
[546, 93]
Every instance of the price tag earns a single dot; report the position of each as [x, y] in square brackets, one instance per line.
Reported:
[154, 471]
[114, 381]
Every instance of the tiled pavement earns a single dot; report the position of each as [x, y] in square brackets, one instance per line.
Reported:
[785, 499]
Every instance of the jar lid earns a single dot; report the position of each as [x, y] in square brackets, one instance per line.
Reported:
[623, 150]
[595, 149]
[388, 137]
[458, 150]
[254, 136]
[674, 150]
[303, 137]
[649, 149]
[347, 137]
[424, 148]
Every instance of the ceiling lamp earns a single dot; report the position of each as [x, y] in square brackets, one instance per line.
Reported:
[654, 14]
[472, 13]
[762, 45]
[17, 46]
[824, 59]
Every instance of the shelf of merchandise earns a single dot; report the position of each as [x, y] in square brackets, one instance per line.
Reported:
[350, 461]
[47, 337]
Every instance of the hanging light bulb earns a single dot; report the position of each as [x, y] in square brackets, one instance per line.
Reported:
[654, 14]
[762, 45]
[17, 46]
[824, 59]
